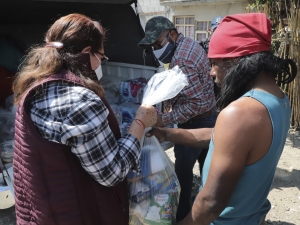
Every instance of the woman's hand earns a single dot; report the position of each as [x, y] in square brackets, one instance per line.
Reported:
[147, 114]
[159, 133]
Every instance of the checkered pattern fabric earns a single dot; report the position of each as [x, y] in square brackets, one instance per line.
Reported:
[198, 97]
[76, 116]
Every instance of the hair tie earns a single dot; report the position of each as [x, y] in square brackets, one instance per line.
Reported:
[55, 44]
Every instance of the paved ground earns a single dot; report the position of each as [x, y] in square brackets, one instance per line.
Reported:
[284, 194]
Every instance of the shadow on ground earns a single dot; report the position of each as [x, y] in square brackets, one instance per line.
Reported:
[293, 140]
[277, 223]
[8, 216]
[285, 178]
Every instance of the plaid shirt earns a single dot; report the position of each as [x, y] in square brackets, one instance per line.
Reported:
[76, 116]
[198, 97]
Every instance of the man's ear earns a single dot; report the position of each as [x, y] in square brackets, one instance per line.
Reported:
[86, 49]
[173, 35]
[229, 62]
[236, 60]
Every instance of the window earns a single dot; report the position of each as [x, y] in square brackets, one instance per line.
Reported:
[201, 32]
[185, 25]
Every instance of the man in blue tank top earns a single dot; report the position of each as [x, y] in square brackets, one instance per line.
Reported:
[250, 132]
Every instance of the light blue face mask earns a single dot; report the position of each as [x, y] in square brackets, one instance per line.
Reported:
[166, 53]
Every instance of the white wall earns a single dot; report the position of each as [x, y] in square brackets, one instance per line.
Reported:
[150, 8]
[207, 11]
[201, 11]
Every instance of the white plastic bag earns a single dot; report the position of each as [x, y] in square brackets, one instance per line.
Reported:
[164, 85]
[154, 193]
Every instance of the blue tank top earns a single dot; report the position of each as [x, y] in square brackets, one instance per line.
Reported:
[249, 203]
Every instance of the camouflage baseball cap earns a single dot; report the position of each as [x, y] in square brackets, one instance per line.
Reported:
[154, 27]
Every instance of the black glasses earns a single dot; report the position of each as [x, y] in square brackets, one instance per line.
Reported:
[104, 59]
[161, 45]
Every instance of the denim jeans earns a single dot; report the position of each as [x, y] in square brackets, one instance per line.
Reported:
[185, 159]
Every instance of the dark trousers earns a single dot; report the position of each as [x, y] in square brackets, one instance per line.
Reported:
[185, 159]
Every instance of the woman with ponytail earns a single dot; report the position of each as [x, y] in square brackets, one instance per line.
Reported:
[70, 161]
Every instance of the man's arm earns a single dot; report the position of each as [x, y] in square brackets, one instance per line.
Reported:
[197, 138]
[233, 138]
[193, 100]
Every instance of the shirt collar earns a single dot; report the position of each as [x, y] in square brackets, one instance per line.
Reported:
[179, 38]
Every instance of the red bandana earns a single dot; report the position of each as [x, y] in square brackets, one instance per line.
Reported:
[241, 34]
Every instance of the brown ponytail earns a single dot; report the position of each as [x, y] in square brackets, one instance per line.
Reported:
[75, 32]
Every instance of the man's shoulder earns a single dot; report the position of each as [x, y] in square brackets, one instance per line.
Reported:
[191, 50]
[187, 41]
[245, 105]
[245, 111]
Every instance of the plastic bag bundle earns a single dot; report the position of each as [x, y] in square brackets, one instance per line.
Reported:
[7, 151]
[154, 193]
[164, 85]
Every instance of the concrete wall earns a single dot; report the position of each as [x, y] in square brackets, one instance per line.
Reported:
[201, 11]
[150, 8]
[206, 11]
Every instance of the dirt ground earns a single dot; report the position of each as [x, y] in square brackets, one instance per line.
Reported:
[285, 191]
[284, 194]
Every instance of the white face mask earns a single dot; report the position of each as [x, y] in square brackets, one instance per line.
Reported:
[98, 71]
[166, 53]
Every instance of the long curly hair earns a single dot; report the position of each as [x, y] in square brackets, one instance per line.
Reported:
[75, 32]
[240, 74]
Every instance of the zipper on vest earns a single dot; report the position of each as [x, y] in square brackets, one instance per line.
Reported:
[119, 198]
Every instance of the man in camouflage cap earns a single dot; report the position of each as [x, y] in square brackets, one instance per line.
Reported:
[154, 28]
[194, 106]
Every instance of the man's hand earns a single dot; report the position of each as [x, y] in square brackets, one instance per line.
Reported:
[159, 133]
[159, 122]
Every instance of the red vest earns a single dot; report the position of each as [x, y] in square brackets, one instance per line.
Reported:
[50, 185]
